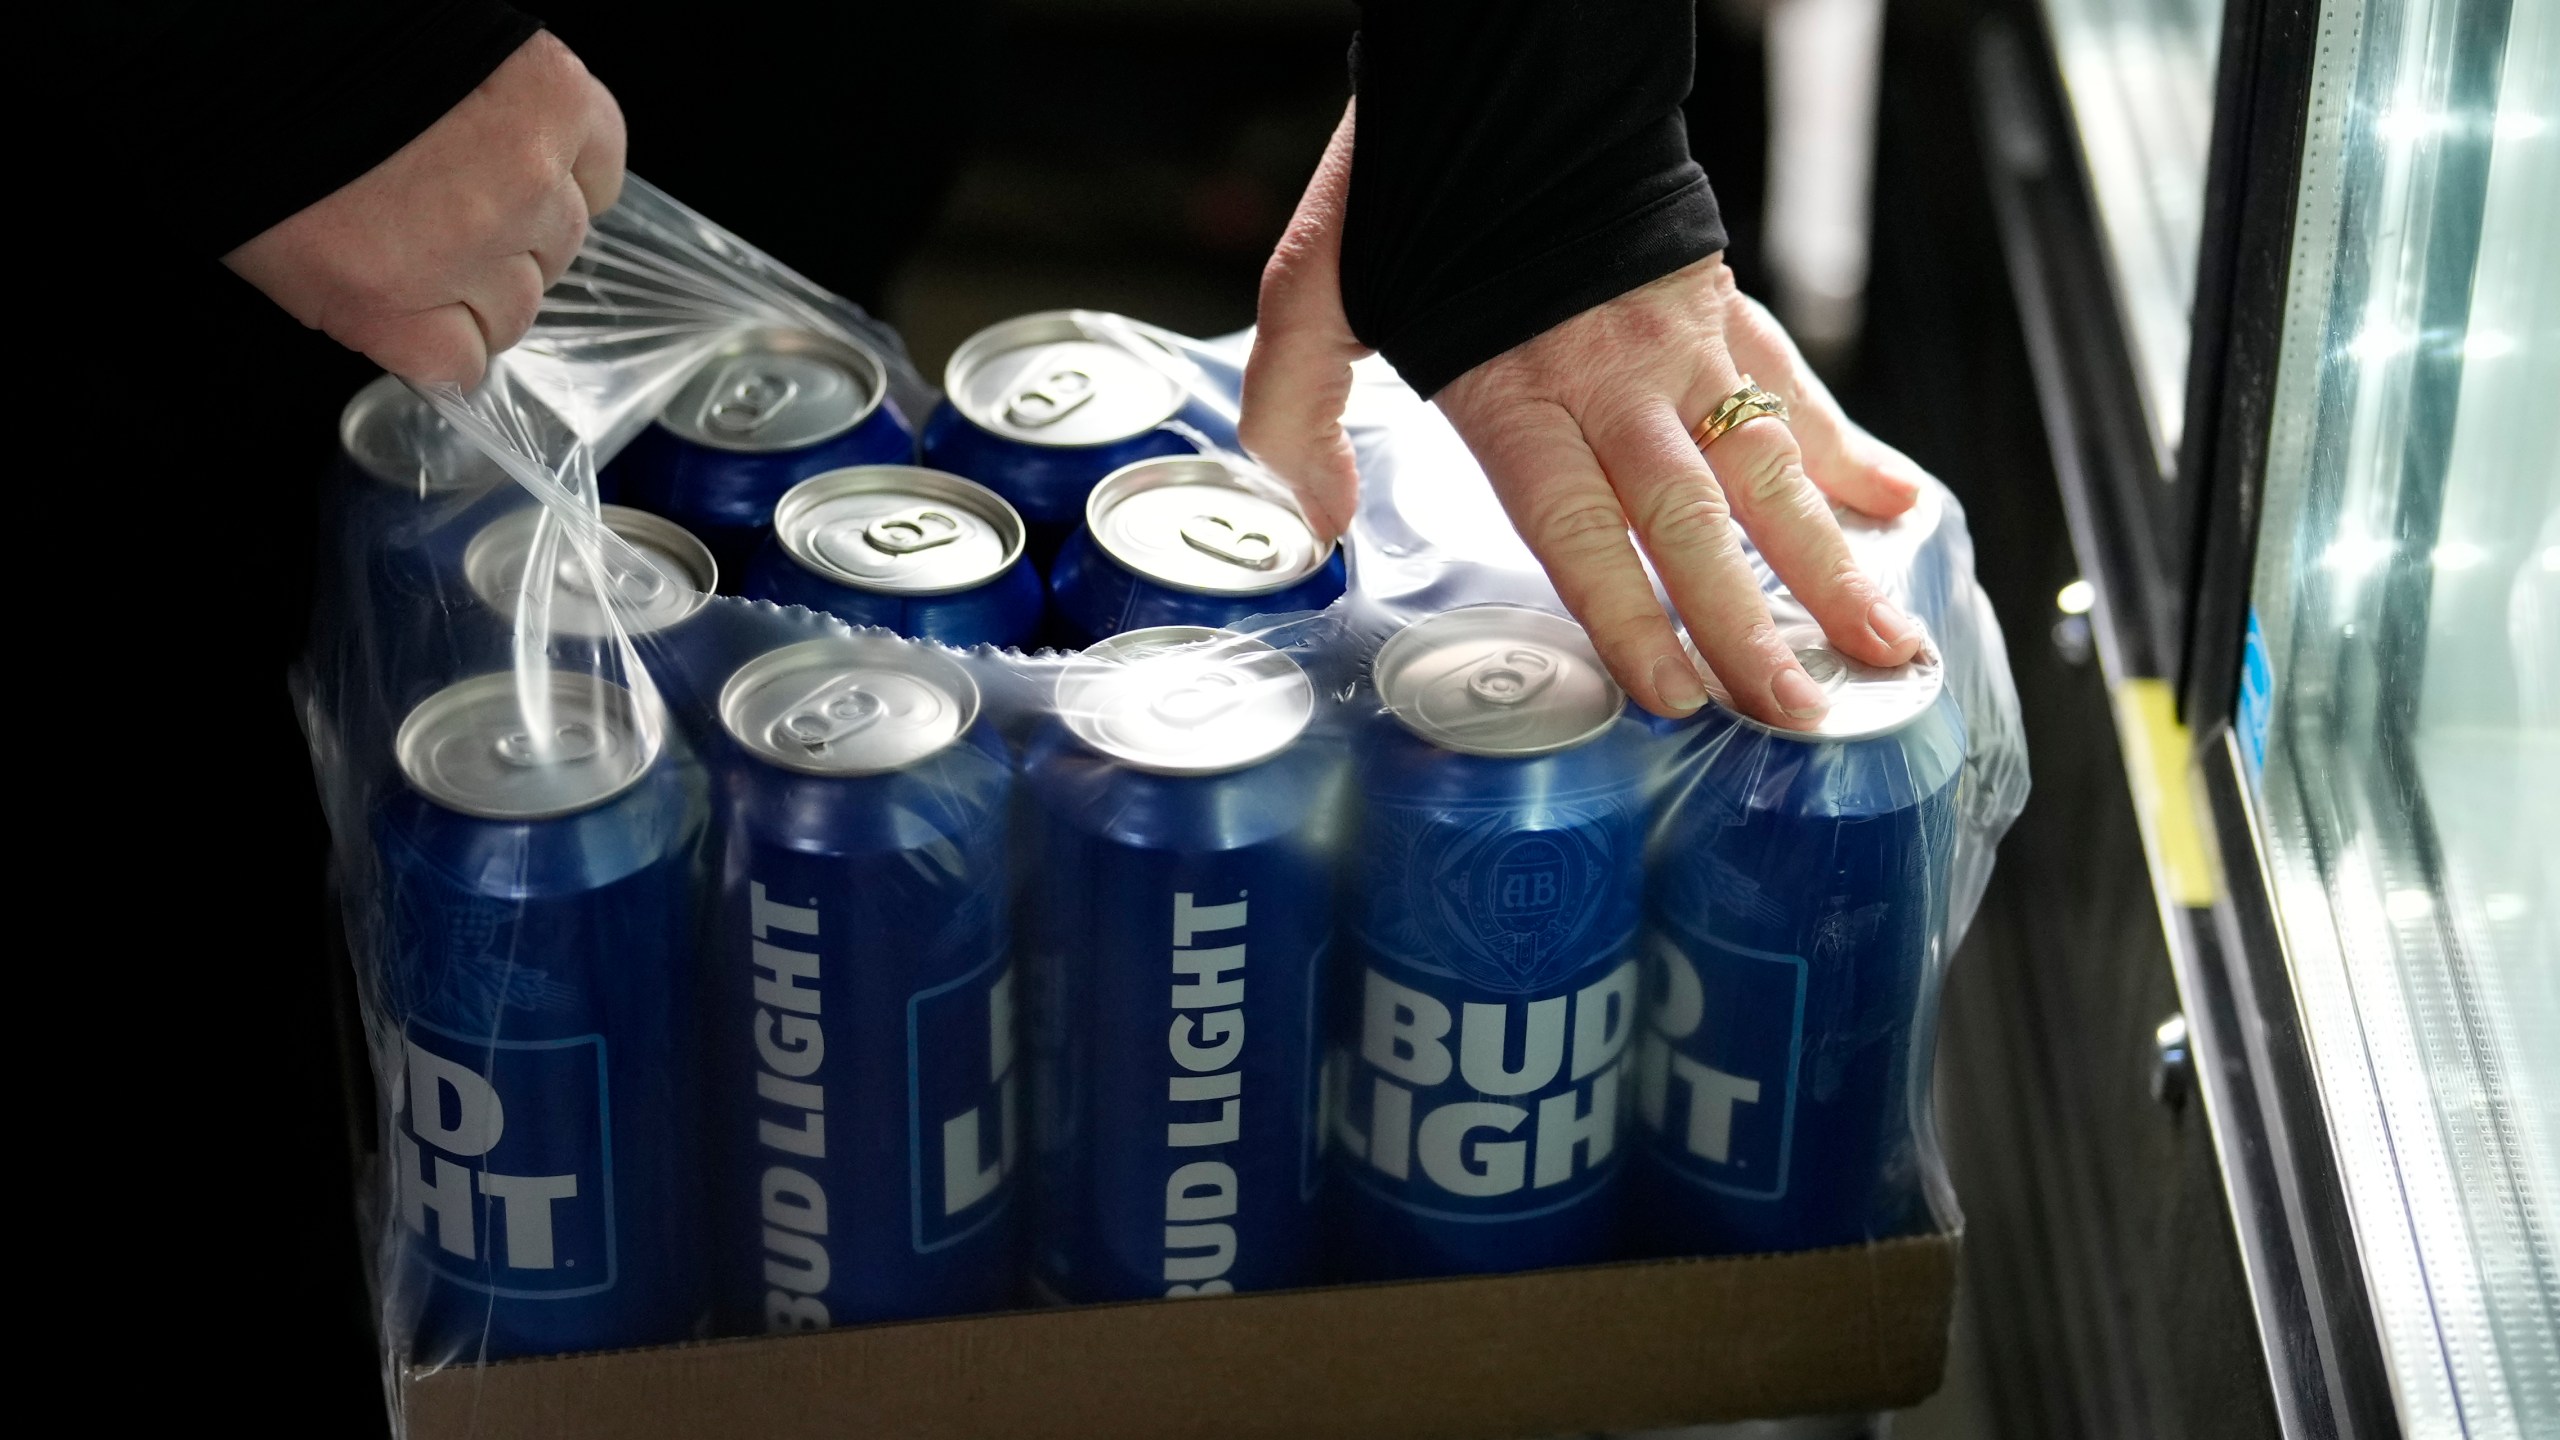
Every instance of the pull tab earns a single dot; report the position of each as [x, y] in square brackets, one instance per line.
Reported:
[1049, 399]
[1513, 676]
[1822, 666]
[828, 716]
[1217, 535]
[748, 399]
[574, 741]
[908, 531]
[1199, 700]
[633, 586]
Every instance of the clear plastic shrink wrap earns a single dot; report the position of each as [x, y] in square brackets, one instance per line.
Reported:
[728, 967]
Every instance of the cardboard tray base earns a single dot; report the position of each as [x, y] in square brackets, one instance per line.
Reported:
[1605, 1347]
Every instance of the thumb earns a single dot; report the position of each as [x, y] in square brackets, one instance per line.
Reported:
[1299, 376]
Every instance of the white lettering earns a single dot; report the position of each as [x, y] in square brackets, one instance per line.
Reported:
[790, 1044]
[794, 1201]
[795, 1262]
[449, 1195]
[1190, 919]
[1402, 1033]
[1390, 1127]
[766, 916]
[1205, 991]
[1484, 1034]
[1201, 1190]
[784, 970]
[526, 1202]
[1220, 1240]
[1712, 1096]
[1488, 1167]
[1565, 1123]
[1603, 1012]
[1221, 1039]
[478, 1116]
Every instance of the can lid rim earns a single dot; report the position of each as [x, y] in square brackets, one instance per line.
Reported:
[1044, 327]
[858, 359]
[642, 528]
[919, 480]
[1118, 486]
[853, 648]
[1383, 664]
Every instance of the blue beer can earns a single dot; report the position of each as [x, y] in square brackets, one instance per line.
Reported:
[1495, 896]
[1038, 409]
[539, 975]
[771, 409]
[863, 1074]
[929, 555]
[1795, 898]
[1178, 906]
[1189, 540]
[650, 589]
[407, 492]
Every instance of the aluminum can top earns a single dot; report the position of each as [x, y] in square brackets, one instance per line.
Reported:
[1866, 700]
[680, 582]
[396, 437]
[1503, 681]
[777, 389]
[1042, 380]
[849, 705]
[1198, 523]
[899, 529]
[1185, 700]
[471, 747]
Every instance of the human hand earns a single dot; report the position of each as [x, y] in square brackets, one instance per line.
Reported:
[1584, 433]
[436, 259]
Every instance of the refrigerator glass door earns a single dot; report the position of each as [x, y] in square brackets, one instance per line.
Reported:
[2399, 708]
[2139, 74]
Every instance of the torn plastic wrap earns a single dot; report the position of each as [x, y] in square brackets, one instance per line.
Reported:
[734, 966]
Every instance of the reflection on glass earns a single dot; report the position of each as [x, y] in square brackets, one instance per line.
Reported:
[2408, 596]
[2140, 77]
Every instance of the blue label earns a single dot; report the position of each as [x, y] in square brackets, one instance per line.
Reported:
[2256, 705]
[505, 1158]
[963, 1098]
[1716, 1069]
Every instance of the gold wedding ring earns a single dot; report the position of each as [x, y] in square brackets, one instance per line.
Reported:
[1748, 403]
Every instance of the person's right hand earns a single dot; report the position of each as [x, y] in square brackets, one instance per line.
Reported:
[436, 259]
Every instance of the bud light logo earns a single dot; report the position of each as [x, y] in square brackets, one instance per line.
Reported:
[505, 1164]
[1717, 1068]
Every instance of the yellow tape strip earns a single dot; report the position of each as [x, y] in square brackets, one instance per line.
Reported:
[2156, 756]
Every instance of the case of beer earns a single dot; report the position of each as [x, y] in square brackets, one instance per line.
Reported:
[787, 963]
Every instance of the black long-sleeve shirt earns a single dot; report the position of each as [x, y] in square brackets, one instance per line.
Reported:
[1516, 161]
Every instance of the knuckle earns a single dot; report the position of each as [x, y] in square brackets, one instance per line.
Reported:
[1579, 528]
[1694, 521]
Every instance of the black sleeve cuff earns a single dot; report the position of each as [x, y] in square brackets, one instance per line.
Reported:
[266, 108]
[1515, 162]
[1436, 344]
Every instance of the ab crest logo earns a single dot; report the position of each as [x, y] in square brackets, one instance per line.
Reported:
[1507, 908]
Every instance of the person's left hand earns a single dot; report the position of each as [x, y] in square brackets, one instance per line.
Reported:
[1584, 433]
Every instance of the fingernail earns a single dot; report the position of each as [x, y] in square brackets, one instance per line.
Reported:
[1798, 695]
[1677, 682]
[1890, 624]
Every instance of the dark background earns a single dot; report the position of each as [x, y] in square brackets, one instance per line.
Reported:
[950, 165]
